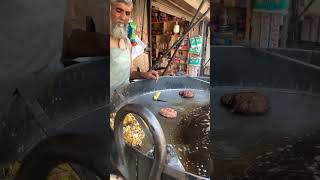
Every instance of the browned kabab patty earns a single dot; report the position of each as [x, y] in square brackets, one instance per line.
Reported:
[168, 113]
[186, 93]
[247, 103]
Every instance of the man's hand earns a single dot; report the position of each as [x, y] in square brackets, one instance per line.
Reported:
[152, 74]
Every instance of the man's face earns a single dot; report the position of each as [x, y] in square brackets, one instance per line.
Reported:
[120, 16]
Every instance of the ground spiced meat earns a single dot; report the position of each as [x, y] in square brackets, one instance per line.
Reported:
[168, 113]
[186, 93]
[247, 103]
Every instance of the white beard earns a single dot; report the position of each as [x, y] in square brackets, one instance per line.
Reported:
[119, 30]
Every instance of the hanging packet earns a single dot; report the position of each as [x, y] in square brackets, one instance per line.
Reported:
[132, 27]
[196, 45]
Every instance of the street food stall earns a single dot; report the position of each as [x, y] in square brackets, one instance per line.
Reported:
[158, 116]
[64, 119]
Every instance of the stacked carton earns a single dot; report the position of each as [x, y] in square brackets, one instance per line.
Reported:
[266, 29]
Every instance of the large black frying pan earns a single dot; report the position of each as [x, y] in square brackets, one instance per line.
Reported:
[281, 144]
[141, 93]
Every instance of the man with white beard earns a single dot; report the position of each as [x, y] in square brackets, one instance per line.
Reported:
[120, 47]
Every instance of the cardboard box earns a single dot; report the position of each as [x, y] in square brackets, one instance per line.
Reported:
[265, 30]
[142, 62]
[193, 70]
[255, 35]
[305, 30]
[314, 29]
[275, 30]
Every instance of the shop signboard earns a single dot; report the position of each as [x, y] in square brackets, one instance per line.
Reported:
[195, 61]
[271, 5]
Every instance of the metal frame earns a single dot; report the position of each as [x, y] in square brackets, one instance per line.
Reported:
[149, 8]
[179, 41]
[204, 47]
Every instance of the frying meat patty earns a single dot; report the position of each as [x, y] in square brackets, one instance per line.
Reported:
[247, 103]
[186, 93]
[168, 113]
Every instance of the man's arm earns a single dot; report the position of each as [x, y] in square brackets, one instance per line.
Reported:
[141, 75]
[144, 75]
[136, 75]
[151, 74]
